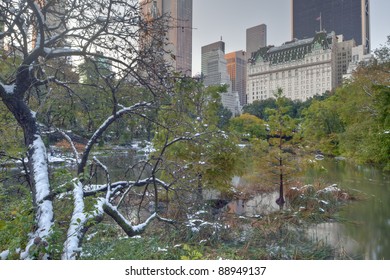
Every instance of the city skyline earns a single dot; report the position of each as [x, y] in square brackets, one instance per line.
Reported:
[232, 22]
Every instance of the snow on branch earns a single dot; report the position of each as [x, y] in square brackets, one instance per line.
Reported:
[105, 125]
[78, 222]
[184, 138]
[91, 190]
[67, 137]
[41, 21]
[44, 214]
[8, 89]
[99, 163]
[71, 246]
[128, 228]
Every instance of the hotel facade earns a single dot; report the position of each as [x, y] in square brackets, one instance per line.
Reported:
[301, 68]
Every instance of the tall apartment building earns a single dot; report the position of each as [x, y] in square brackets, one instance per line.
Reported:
[301, 68]
[214, 72]
[348, 17]
[236, 67]
[179, 37]
[256, 38]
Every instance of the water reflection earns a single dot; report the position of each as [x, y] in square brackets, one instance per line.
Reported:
[335, 235]
[368, 220]
[259, 205]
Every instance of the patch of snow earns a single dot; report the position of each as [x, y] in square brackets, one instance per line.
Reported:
[324, 202]
[147, 147]
[332, 188]
[54, 159]
[319, 157]
[162, 249]
[90, 236]
[194, 229]
[9, 89]
[4, 255]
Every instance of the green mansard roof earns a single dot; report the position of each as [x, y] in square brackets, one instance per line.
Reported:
[294, 50]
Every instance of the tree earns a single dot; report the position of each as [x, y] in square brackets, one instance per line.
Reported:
[258, 108]
[322, 125]
[382, 54]
[199, 155]
[354, 121]
[42, 39]
[279, 159]
[249, 126]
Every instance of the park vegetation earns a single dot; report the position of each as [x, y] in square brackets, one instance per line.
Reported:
[84, 79]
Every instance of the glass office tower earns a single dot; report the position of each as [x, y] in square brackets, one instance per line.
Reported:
[350, 18]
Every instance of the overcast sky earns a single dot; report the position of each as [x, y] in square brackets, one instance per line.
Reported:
[230, 19]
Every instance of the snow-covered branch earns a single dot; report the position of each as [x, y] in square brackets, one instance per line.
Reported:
[75, 152]
[183, 138]
[71, 245]
[91, 190]
[44, 213]
[99, 163]
[78, 222]
[127, 226]
[105, 125]
[40, 23]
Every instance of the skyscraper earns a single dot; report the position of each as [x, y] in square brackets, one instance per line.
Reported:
[214, 72]
[350, 18]
[179, 37]
[256, 38]
[236, 67]
[214, 68]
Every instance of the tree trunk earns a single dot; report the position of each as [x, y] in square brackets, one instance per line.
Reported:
[280, 201]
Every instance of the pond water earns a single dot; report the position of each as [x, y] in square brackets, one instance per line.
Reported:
[366, 232]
